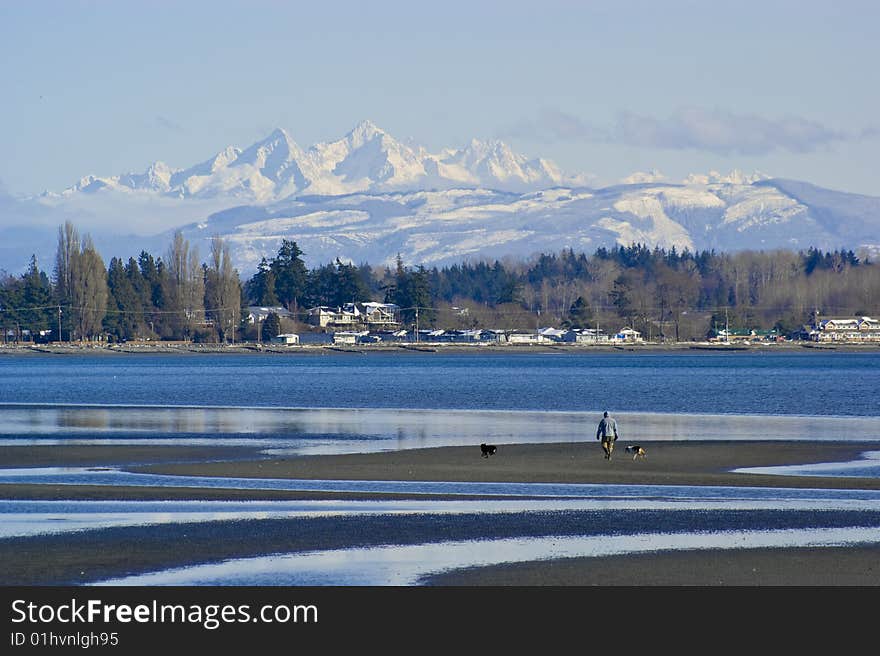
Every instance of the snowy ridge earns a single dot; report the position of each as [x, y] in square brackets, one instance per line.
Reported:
[366, 159]
[440, 227]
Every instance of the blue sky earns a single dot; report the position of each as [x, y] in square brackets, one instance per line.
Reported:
[605, 88]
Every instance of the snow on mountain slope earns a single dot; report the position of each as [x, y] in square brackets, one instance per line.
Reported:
[445, 226]
[368, 197]
[834, 209]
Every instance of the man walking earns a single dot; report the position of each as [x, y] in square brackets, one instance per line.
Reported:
[607, 432]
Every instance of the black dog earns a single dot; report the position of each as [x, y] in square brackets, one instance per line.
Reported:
[488, 450]
[638, 451]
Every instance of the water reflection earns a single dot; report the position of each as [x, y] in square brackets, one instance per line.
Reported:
[299, 431]
[408, 564]
[867, 467]
[632, 493]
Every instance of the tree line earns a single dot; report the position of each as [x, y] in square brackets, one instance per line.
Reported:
[173, 297]
[666, 294]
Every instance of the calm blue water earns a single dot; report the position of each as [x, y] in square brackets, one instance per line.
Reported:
[837, 384]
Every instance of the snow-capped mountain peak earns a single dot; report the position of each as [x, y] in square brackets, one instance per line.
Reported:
[367, 158]
[269, 154]
[363, 132]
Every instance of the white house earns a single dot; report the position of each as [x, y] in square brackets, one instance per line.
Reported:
[552, 334]
[356, 315]
[258, 313]
[586, 336]
[348, 336]
[847, 329]
[627, 335]
[286, 338]
[528, 338]
[324, 316]
[381, 315]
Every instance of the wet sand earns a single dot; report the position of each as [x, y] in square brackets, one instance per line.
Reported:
[666, 463]
[93, 555]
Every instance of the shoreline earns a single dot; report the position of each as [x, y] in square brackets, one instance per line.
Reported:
[159, 348]
[90, 556]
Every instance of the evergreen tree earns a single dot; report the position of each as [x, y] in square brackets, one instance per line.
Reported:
[125, 312]
[621, 297]
[36, 299]
[290, 275]
[321, 287]
[260, 288]
[271, 327]
[580, 315]
[10, 304]
[412, 293]
[152, 291]
[348, 284]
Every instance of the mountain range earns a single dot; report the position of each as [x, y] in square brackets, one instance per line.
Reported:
[367, 159]
[368, 197]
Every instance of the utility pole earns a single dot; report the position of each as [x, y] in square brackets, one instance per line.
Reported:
[726, 327]
[59, 324]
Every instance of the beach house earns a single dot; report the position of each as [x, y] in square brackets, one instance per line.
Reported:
[628, 335]
[286, 339]
[846, 329]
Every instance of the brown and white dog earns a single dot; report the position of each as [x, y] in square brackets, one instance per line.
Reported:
[637, 451]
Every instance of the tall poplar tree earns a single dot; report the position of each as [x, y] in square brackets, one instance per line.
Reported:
[89, 296]
[222, 291]
[185, 296]
[66, 257]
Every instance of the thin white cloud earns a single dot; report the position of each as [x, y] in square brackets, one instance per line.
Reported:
[726, 133]
[169, 124]
[553, 125]
[693, 128]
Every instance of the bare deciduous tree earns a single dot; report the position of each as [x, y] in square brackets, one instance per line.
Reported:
[222, 290]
